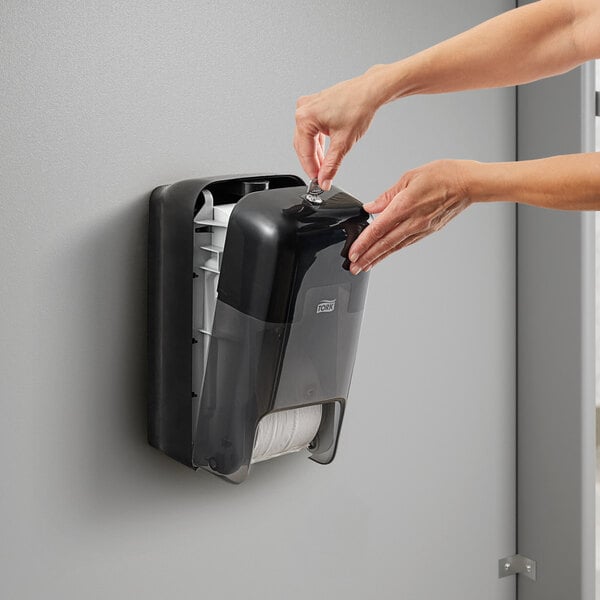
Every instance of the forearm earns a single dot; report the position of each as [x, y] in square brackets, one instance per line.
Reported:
[534, 41]
[569, 182]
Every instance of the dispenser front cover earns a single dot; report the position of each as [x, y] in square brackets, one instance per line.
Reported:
[286, 324]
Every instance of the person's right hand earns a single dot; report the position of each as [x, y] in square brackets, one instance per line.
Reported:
[342, 112]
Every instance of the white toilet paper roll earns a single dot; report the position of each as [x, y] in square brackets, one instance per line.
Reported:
[286, 431]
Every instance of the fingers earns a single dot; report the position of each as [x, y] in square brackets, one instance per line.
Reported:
[380, 203]
[395, 240]
[310, 148]
[338, 148]
[389, 205]
[307, 151]
[385, 245]
[320, 148]
[307, 140]
[411, 239]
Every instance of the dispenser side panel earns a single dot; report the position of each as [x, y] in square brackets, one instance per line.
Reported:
[170, 248]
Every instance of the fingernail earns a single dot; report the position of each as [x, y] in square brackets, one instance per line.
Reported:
[356, 270]
[353, 257]
[369, 267]
[326, 184]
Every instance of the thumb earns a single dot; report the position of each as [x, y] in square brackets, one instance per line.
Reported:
[338, 148]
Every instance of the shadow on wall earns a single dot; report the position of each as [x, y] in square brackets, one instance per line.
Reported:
[108, 466]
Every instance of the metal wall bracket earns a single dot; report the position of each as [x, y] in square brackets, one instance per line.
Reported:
[517, 564]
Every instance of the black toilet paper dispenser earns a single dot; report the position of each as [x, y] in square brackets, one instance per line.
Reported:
[252, 312]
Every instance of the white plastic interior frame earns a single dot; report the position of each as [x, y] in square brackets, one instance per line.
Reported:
[210, 226]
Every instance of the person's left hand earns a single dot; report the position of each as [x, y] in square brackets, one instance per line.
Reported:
[421, 202]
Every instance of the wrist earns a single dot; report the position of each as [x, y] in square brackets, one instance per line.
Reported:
[384, 83]
[468, 179]
[486, 182]
[396, 80]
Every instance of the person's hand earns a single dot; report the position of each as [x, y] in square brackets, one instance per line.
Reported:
[342, 112]
[421, 202]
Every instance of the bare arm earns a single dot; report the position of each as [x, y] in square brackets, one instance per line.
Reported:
[425, 199]
[528, 43]
[569, 182]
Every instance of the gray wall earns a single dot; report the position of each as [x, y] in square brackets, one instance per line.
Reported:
[103, 101]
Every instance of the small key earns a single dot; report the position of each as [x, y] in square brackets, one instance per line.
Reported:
[313, 191]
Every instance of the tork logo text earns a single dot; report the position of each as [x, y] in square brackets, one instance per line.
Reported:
[326, 306]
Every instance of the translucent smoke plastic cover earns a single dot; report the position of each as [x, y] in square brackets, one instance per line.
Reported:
[276, 323]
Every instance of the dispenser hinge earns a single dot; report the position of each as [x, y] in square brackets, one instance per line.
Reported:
[517, 564]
